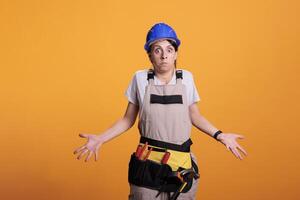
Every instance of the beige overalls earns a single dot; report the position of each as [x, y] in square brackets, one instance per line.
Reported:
[165, 122]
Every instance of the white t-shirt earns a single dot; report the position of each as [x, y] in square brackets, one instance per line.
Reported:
[136, 89]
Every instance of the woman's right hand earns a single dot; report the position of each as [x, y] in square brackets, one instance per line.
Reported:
[91, 147]
[95, 141]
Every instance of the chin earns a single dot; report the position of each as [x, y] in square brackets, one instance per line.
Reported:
[164, 67]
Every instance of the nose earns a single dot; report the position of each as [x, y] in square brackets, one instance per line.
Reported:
[163, 55]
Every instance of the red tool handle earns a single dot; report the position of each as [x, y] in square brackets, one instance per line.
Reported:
[166, 157]
[138, 151]
[144, 148]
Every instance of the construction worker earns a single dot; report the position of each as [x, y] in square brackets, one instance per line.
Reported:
[163, 166]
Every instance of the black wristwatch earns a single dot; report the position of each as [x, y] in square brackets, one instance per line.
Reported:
[216, 134]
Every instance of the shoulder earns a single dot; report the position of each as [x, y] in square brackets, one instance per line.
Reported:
[141, 75]
[141, 72]
[187, 73]
[140, 78]
[187, 76]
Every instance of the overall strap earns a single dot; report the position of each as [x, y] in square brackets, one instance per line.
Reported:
[151, 73]
[150, 76]
[179, 76]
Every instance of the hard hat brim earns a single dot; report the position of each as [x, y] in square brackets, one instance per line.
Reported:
[149, 43]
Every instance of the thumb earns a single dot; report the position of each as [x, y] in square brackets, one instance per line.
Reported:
[83, 135]
[240, 136]
[227, 148]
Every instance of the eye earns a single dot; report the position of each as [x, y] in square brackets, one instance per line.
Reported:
[170, 50]
[157, 50]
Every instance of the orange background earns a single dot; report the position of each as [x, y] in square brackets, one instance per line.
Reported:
[65, 66]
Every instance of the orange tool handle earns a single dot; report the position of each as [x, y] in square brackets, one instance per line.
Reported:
[148, 153]
[180, 177]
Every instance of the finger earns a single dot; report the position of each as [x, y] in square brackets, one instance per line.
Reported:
[96, 156]
[236, 153]
[240, 136]
[83, 135]
[228, 149]
[240, 148]
[79, 149]
[88, 156]
[82, 154]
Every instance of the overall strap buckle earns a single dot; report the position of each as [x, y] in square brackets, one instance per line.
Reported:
[150, 74]
[179, 74]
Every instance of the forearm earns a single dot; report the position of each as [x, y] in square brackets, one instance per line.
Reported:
[116, 129]
[201, 123]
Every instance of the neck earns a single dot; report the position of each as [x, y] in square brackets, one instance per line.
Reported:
[165, 76]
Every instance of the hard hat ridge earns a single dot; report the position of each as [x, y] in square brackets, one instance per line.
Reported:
[160, 31]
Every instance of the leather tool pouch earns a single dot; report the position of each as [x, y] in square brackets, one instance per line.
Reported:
[153, 175]
[147, 173]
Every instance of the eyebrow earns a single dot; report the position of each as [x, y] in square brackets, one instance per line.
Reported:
[155, 45]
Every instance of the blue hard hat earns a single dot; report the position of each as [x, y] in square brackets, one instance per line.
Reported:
[160, 31]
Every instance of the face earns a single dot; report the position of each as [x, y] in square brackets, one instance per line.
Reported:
[163, 56]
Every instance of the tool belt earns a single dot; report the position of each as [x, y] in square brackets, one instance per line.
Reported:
[163, 166]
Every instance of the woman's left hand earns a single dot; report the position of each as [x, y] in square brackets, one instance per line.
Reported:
[229, 140]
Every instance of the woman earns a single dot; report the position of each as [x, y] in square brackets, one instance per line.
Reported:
[163, 167]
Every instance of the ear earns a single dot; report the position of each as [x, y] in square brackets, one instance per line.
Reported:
[175, 55]
[149, 56]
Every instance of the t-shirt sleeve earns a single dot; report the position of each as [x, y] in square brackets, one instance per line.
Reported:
[194, 95]
[131, 92]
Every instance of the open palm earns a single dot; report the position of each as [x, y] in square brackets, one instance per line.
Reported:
[229, 140]
[91, 147]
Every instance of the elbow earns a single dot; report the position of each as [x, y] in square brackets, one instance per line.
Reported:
[129, 121]
[195, 119]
